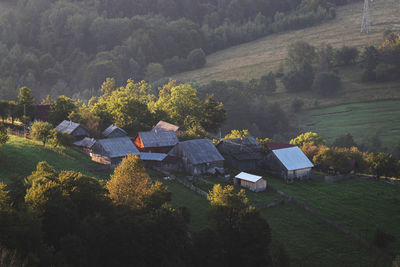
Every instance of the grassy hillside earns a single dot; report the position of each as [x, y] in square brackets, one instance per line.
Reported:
[362, 120]
[20, 156]
[252, 60]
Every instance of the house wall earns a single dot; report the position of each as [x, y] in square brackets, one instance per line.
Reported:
[101, 159]
[302, 173]
[202, 168]
[274, 164]
[260, 185]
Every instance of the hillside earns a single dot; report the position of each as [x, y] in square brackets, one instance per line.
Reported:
[253, 59]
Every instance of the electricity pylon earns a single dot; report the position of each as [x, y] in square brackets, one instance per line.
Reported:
[366, 23]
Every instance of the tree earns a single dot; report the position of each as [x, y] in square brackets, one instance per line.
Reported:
[237, 134]
[131, 186]
[60, 109]
[369, 61]
[196, 58]
[4, 109]
[59, 138]
[299, 54]
[345, 140]
[346, 55]
[154, 72]
[108, 86]
[3, 135]
[300, 79]
[326, 83]
[213, 114]
[41, 130]
[382, 164]
[309, 137]
[268, 82]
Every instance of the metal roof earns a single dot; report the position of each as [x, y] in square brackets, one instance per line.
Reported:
[152, 156]
[67, 127]
[111, 129]
[198, 151]
[118, 147]
[86, 142]
[248, 177]
[293, 158]
[165, 126]
[158, 139]
[242, 149]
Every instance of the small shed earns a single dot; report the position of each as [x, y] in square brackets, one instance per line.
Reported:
[198, 156]
[156, 142]
[244, 154]
[111, 151]
[114, 131]
[85, 145]
[252, 182]
[165, 126]
[74, 129]
[290, 162]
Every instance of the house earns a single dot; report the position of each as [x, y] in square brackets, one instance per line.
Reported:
[159, 160]
[114, 131]
[252, 182]
[85, 145]
[290, 162]
[73, 129]
[198, 157]
[156, 142]
[110, 151]
[244, 154]
[42, 112]
[165, 126]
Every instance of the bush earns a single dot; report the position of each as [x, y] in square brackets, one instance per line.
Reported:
[382, 239]
[326, 83]
[196, 58]
[297, 105]
[346, 55]
[299, 80]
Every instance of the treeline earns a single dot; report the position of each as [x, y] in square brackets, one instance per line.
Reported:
[69, 219]
[69, 47]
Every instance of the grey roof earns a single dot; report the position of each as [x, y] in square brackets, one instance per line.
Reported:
[118, 147]
[165, 126]
[152, 156]
[199, 151]
[67, 127]
[86, 142]
[158, 139]
[293, 158]
[112, 128]
[242, 149]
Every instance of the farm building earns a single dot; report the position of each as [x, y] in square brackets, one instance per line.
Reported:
[110, 151]
[42, 112]
[244, 154]
[114, 131]
[252, 182]
[85, 145]
[156, 142]
[198, 157]
[158, 160]
[165, 126]
[73, 129]
[275, 146]
[290, 162]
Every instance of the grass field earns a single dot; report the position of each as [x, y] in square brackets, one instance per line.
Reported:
[20, 156]
[253, 59]
[362, 120]
[361, 205]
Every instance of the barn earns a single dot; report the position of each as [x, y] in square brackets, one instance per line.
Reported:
[165, 126]
[252, 182]
[42, 112]
[156, 141]
[244, 154]
[73, 129]
[290, 162]
[114, 131]
[198, 157]
[85, 145]
[111, 151]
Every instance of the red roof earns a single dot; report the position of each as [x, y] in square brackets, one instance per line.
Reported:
[42, 112]
[272, 146]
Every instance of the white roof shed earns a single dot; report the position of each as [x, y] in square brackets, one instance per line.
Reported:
[248, 177]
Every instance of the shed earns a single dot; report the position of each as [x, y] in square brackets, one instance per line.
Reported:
[42, 112]
[85, 145]
[110, 151]
[198, 157]
[165, 126]
[244, 154]
[290, 162]
[114, 131]
[252, 182]
[73, 129]
[156, 142]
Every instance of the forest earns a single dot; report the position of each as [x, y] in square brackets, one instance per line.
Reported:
[70, 47]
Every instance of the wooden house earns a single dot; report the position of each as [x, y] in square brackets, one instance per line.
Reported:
[73, 129]
[290, 162]
[114, 131]
[198, 157]
[244, 154]
[156, 141]
[252, 182]
[111, 151]
[85, 145]
[42, 112]
[165, 126]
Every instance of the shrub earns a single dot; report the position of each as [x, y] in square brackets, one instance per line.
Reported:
[196, 58]
[382, 239]
[326, 83]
